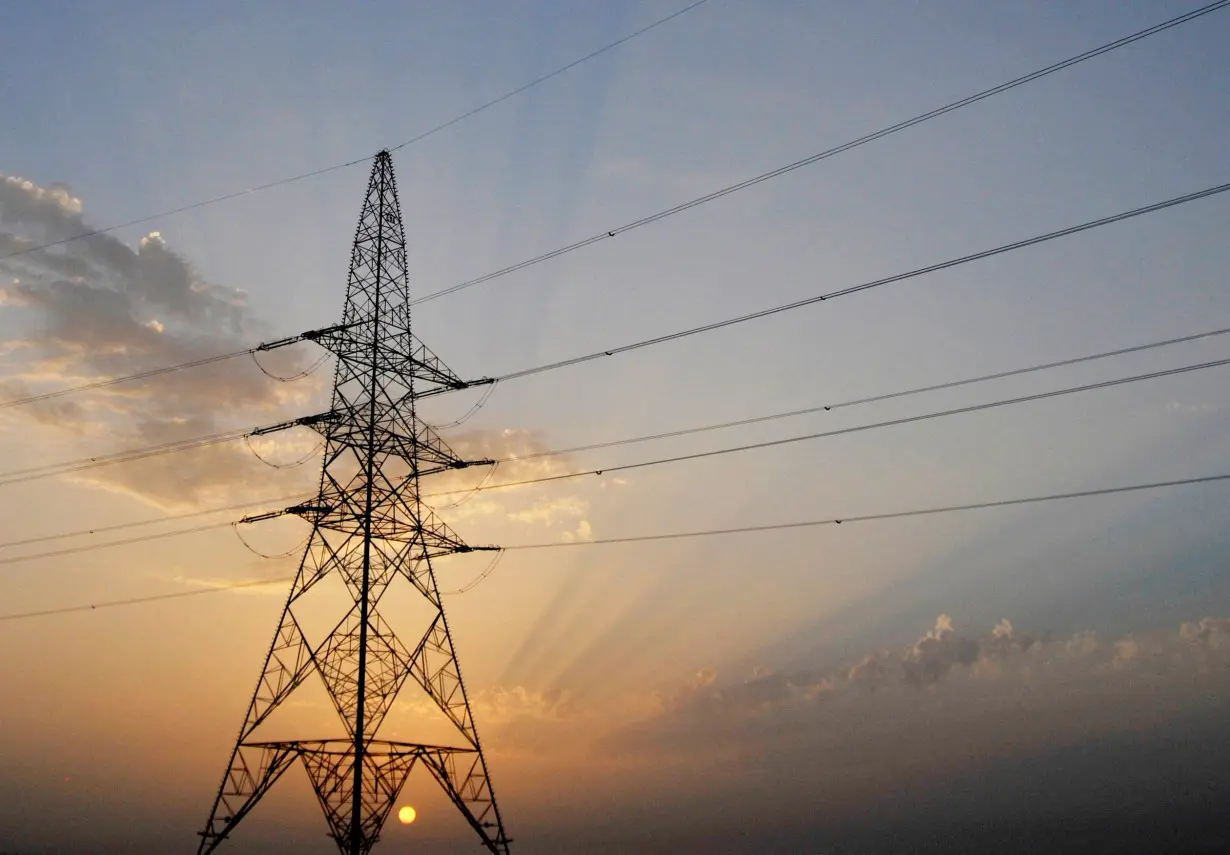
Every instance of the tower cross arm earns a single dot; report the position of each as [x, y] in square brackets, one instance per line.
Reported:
[307, 335]
[452, 386]
[301, 510]
[303, 421]
[426, 468]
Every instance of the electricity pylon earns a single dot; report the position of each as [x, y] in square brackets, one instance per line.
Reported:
[369, 526]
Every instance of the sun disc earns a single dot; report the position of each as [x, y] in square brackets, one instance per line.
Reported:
[407, 815]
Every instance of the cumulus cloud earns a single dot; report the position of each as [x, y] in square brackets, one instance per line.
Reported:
[96, 308]
[997, 689]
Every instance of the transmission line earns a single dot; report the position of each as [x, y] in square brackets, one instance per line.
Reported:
[876, 283]
[100, 529]
[366, 158]
[309, 335]
[894, 515]
[554, 73]
[953, 384]
[716, 325]
[17, 476]
[75, 466]
[843, 431]
[67, 467]
[844, 147]
[35, 473]
[128, 541]
[140, 375]
[132, 601]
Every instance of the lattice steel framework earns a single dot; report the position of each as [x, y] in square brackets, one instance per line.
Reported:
[369, 527]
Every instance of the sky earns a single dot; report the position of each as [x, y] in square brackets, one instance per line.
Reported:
[1050, 676]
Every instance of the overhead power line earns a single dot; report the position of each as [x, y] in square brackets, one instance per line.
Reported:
[625, 441]
[935, 387]
[70, 466]
[876, 283]
[894, 515]
[366, 158]
[685, 333]
[882, 517]
[1173, 22]
[128, 541]
[17, 476]
[34, 473]
[100, 529]
[510, 93]
[132, 601]
[843, 431]
[685, 457]
[827, 153]
[308, 335]
[141, 375]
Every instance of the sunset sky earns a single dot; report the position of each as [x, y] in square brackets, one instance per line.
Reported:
[1030, 678]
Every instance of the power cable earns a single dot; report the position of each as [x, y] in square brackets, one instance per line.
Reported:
[51, 470]
[653, 217]
[876, 283]
[548, 76]
[478, 405]
[298, 547]
[85, 532]
[917, 512]
[67, 467]
[140, 375]
[470, 494]
[693, 331]
[89, 547]
[484, 485]
[17, 476]
[843, 431]
[662, 339]
[844, 147]
[132, 601]
[34, 473]
[935, 387]
[307, 372]
[294, 178]
[308, 335]
[479, 579]
[247, 441]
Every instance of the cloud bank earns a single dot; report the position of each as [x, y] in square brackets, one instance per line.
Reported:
[96, 308]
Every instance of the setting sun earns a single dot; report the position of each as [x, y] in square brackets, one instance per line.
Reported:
[407, 815]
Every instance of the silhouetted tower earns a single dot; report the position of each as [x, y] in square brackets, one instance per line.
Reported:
[370, 527]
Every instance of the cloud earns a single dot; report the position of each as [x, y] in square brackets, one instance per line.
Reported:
[909, 732]
[551, 511]
[250, 586]
[462, 495]
[97, 308]
[996, 690]
[501, 705]
[583, 533]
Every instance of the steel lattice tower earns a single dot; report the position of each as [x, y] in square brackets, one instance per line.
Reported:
[369, 526]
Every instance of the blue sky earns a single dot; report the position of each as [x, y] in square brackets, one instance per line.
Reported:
[138, 109]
